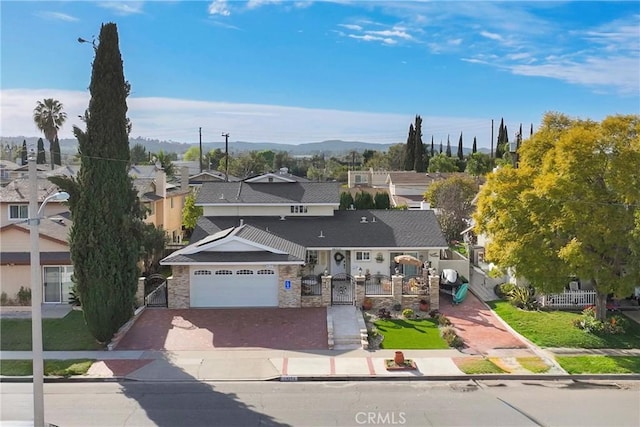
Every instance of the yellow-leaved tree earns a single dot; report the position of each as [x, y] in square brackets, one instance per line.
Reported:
[571, 207]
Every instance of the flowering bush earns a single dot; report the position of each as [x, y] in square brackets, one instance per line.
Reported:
[588, 322]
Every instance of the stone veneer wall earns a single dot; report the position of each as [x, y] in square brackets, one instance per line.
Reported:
[140, 292]
[289, 298]
[178, 292]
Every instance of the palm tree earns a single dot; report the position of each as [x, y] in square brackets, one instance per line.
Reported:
[49, 118]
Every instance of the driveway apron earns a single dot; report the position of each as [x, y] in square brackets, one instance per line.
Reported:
[209, 329]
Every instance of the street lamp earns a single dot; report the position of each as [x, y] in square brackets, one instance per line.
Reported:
[36, 290]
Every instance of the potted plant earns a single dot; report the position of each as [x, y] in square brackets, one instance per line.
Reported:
[424, 305]
[367, 304]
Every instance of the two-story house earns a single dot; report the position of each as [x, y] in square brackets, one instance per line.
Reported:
[257, 237]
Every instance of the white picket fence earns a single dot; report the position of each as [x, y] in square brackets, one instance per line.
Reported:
[569, 299]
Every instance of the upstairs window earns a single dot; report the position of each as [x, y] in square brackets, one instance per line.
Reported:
[298, 209]
[18, 211]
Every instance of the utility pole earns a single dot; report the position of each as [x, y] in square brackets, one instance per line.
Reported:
[226, 156]
[491, 157]
[200, 132]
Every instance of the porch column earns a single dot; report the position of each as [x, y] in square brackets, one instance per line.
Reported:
[434, 292]
[396, 288]
[359, 290]
[326, 290]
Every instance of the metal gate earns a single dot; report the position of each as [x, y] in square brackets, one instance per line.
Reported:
[156, 291]
[342, 289]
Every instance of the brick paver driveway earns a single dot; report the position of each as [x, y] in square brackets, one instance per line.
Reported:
[208, 329]
[480, 329]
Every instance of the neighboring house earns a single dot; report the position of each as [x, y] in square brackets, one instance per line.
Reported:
[369, 178]
[14, 200]
[7, 169]
[55, 259]
[198, 179]
[164, 200]
[257, 239]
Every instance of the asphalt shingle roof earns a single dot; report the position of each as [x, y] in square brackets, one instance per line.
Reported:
[223, 193]
[382, 229]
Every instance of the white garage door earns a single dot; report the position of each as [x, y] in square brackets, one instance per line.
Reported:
[234, 287]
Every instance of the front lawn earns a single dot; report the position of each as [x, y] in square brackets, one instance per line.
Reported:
[555, 329]
[476, 365]
[68, 333]
[59, 368]
[600, 364]
[408, 334]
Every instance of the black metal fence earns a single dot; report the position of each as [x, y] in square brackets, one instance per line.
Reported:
[377, 284]
[311, 286]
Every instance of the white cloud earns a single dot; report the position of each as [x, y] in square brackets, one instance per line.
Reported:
[621, 73]
[352, 27]
[254, 4]
[58, 16]
[123, 7]
[391, 33]
[219, 7]
[492, 36]
[179, 120]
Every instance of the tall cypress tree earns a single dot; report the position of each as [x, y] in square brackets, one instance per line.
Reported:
[23, 152]
[460, 151]
[475, 145]
[410, 151]
[448, 147]
[41, 156]
[502, 131]
[106, 234]
[55, 152]
[419, 164]
[433, 153]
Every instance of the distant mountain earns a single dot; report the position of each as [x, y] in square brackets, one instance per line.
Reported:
[331, 147]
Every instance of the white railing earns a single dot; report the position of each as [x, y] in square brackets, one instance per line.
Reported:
[570, 299]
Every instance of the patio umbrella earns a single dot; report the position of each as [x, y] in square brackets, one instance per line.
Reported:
[408, 260]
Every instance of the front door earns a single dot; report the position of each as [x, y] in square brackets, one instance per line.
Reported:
[339, 262]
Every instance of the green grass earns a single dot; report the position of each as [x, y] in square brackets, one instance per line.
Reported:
[59, 368]
[555, 329]
[474, 366]
[600, 364]
[533, 364]
[68, 333]
[410, 334]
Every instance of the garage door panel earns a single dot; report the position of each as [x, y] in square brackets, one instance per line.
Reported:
[234, 290]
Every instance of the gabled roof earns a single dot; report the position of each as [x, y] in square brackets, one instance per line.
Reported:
[280, 176]
[8, 165]
[234, 193]
[55, 227]
[267, 247]
[17, 191]
[206, 176]
[346, 229]
[420, 178]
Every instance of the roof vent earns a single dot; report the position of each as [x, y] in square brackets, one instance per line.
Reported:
[241, 222]
[282, 217]
[373, 219]
[363, 220]
[321, 235]
[221, 196]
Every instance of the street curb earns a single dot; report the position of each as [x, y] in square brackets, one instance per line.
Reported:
[344, 378]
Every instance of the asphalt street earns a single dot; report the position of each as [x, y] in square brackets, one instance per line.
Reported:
[472, 403]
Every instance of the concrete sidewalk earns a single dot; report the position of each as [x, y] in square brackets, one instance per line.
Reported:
[264, 364]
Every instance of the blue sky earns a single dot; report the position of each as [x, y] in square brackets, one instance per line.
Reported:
[305, 71]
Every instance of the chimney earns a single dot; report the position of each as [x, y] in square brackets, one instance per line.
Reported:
[184, 178]
[161, 183]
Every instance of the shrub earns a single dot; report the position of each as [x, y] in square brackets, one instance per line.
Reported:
[397, 307]
[523, 297]
[408, 313]
[4, 299]
[443, 320]
[24, 296]
[450, 336]
[434, 313]
[74, 296]
[383, 313]
[502, 290]
[588, 322]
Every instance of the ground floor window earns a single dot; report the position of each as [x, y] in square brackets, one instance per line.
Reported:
[57, 283]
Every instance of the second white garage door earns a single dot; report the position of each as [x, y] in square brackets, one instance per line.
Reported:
[234, 287]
